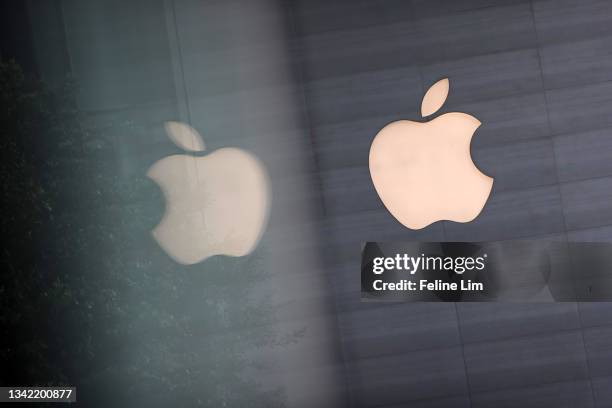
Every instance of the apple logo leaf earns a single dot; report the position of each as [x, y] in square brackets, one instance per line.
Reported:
[434, 97]
[185, 137]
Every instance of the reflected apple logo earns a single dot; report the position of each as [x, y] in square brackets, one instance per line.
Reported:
[423, 171]
[215, 204]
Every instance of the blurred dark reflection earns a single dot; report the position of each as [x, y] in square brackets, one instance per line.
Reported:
[88, 297]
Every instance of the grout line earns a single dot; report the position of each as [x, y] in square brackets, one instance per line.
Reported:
[309, 126]
[462, 344]
[556, 163]
[318, 179]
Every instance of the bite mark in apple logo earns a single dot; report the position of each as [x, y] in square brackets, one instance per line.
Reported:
[423, 171]
[215, 204]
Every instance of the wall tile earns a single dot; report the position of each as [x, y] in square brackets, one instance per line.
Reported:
[602, 388]
[523, 362]
[568, 20]
[477, 32]
[580, 108]
[588, 203]
[398, 328]
[584, 155]
[485, 322]
[429, 374]
[598, 343]
[577, 63]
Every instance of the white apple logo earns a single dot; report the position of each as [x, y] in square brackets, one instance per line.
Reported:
[215, 205]
[423, 171]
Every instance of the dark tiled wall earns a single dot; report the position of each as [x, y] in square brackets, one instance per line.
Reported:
[538, 74]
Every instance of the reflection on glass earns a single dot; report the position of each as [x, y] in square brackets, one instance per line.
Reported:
[215, 204]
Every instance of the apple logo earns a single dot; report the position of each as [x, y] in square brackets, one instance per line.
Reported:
[423, 171]
[215, 204]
